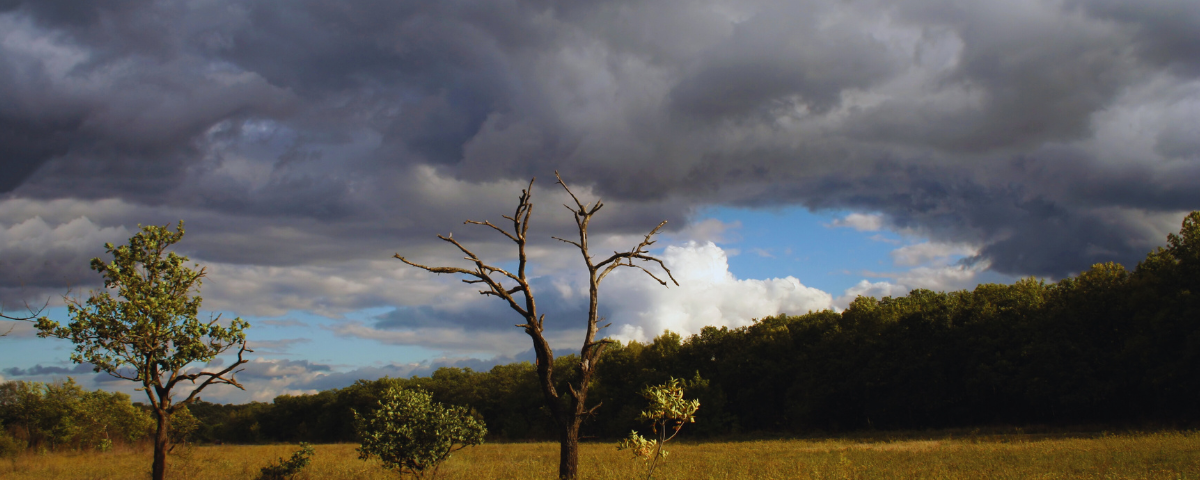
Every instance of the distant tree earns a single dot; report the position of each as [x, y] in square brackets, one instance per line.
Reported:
[668, 413]
[151, 334]
[569, 414]
[106, 417]
[182, 425]
[412, 434]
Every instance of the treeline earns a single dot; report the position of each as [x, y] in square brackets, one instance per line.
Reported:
[1107, 346]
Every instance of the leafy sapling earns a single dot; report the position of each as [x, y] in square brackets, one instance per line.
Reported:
[412, 434]
[667, 414]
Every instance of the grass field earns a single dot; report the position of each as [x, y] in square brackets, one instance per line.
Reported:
[1160, 455]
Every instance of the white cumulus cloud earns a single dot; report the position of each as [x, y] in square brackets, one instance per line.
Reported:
[708, 294]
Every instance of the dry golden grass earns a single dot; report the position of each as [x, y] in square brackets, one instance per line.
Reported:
[1163, 455]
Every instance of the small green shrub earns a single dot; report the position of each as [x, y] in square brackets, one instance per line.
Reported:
[668, 412]
[286, 469]
[412, 434]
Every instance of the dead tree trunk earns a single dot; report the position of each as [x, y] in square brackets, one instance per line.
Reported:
[568, 413]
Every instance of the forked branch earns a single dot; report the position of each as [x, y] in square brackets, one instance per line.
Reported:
[33, 315]
[215, 378]
[583, 215]
[482, 273]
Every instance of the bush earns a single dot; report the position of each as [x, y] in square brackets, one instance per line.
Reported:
[9, 446]
[413, 434]
[286, 469]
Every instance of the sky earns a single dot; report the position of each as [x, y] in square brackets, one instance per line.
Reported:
[803, 152]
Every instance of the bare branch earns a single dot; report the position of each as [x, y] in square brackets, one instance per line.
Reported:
[576, 244]
[569, 192]
[639, 267]
[214, 378]
[510, 291]
[437, 269]
[639, 252]
[498, 229]
[33, 314]
[605, 341]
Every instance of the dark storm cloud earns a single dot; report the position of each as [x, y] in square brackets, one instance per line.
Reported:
[307, 132]
[781, 53]
[1029, 78]
[1164, 30]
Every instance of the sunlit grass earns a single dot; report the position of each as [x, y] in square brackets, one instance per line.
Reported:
[1165, 455]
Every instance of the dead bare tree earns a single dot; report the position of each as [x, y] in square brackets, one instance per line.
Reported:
[570, 411]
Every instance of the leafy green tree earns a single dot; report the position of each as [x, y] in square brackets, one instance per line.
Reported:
[668, 413]
[412, 434]
[149, 332]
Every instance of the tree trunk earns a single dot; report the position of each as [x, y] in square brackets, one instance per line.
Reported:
[568, 450]
[161, 442]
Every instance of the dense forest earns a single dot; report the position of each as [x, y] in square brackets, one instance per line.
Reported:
[1109, 345]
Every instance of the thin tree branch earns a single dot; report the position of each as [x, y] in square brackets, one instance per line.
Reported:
[214, 378]
[576, 244]
[498, 229]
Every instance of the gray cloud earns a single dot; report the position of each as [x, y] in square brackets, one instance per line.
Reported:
[347, 378]
[313, 134]
[1164, 30]
[797, 54]
[278, 368]
[277, 347]
[37, 370]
